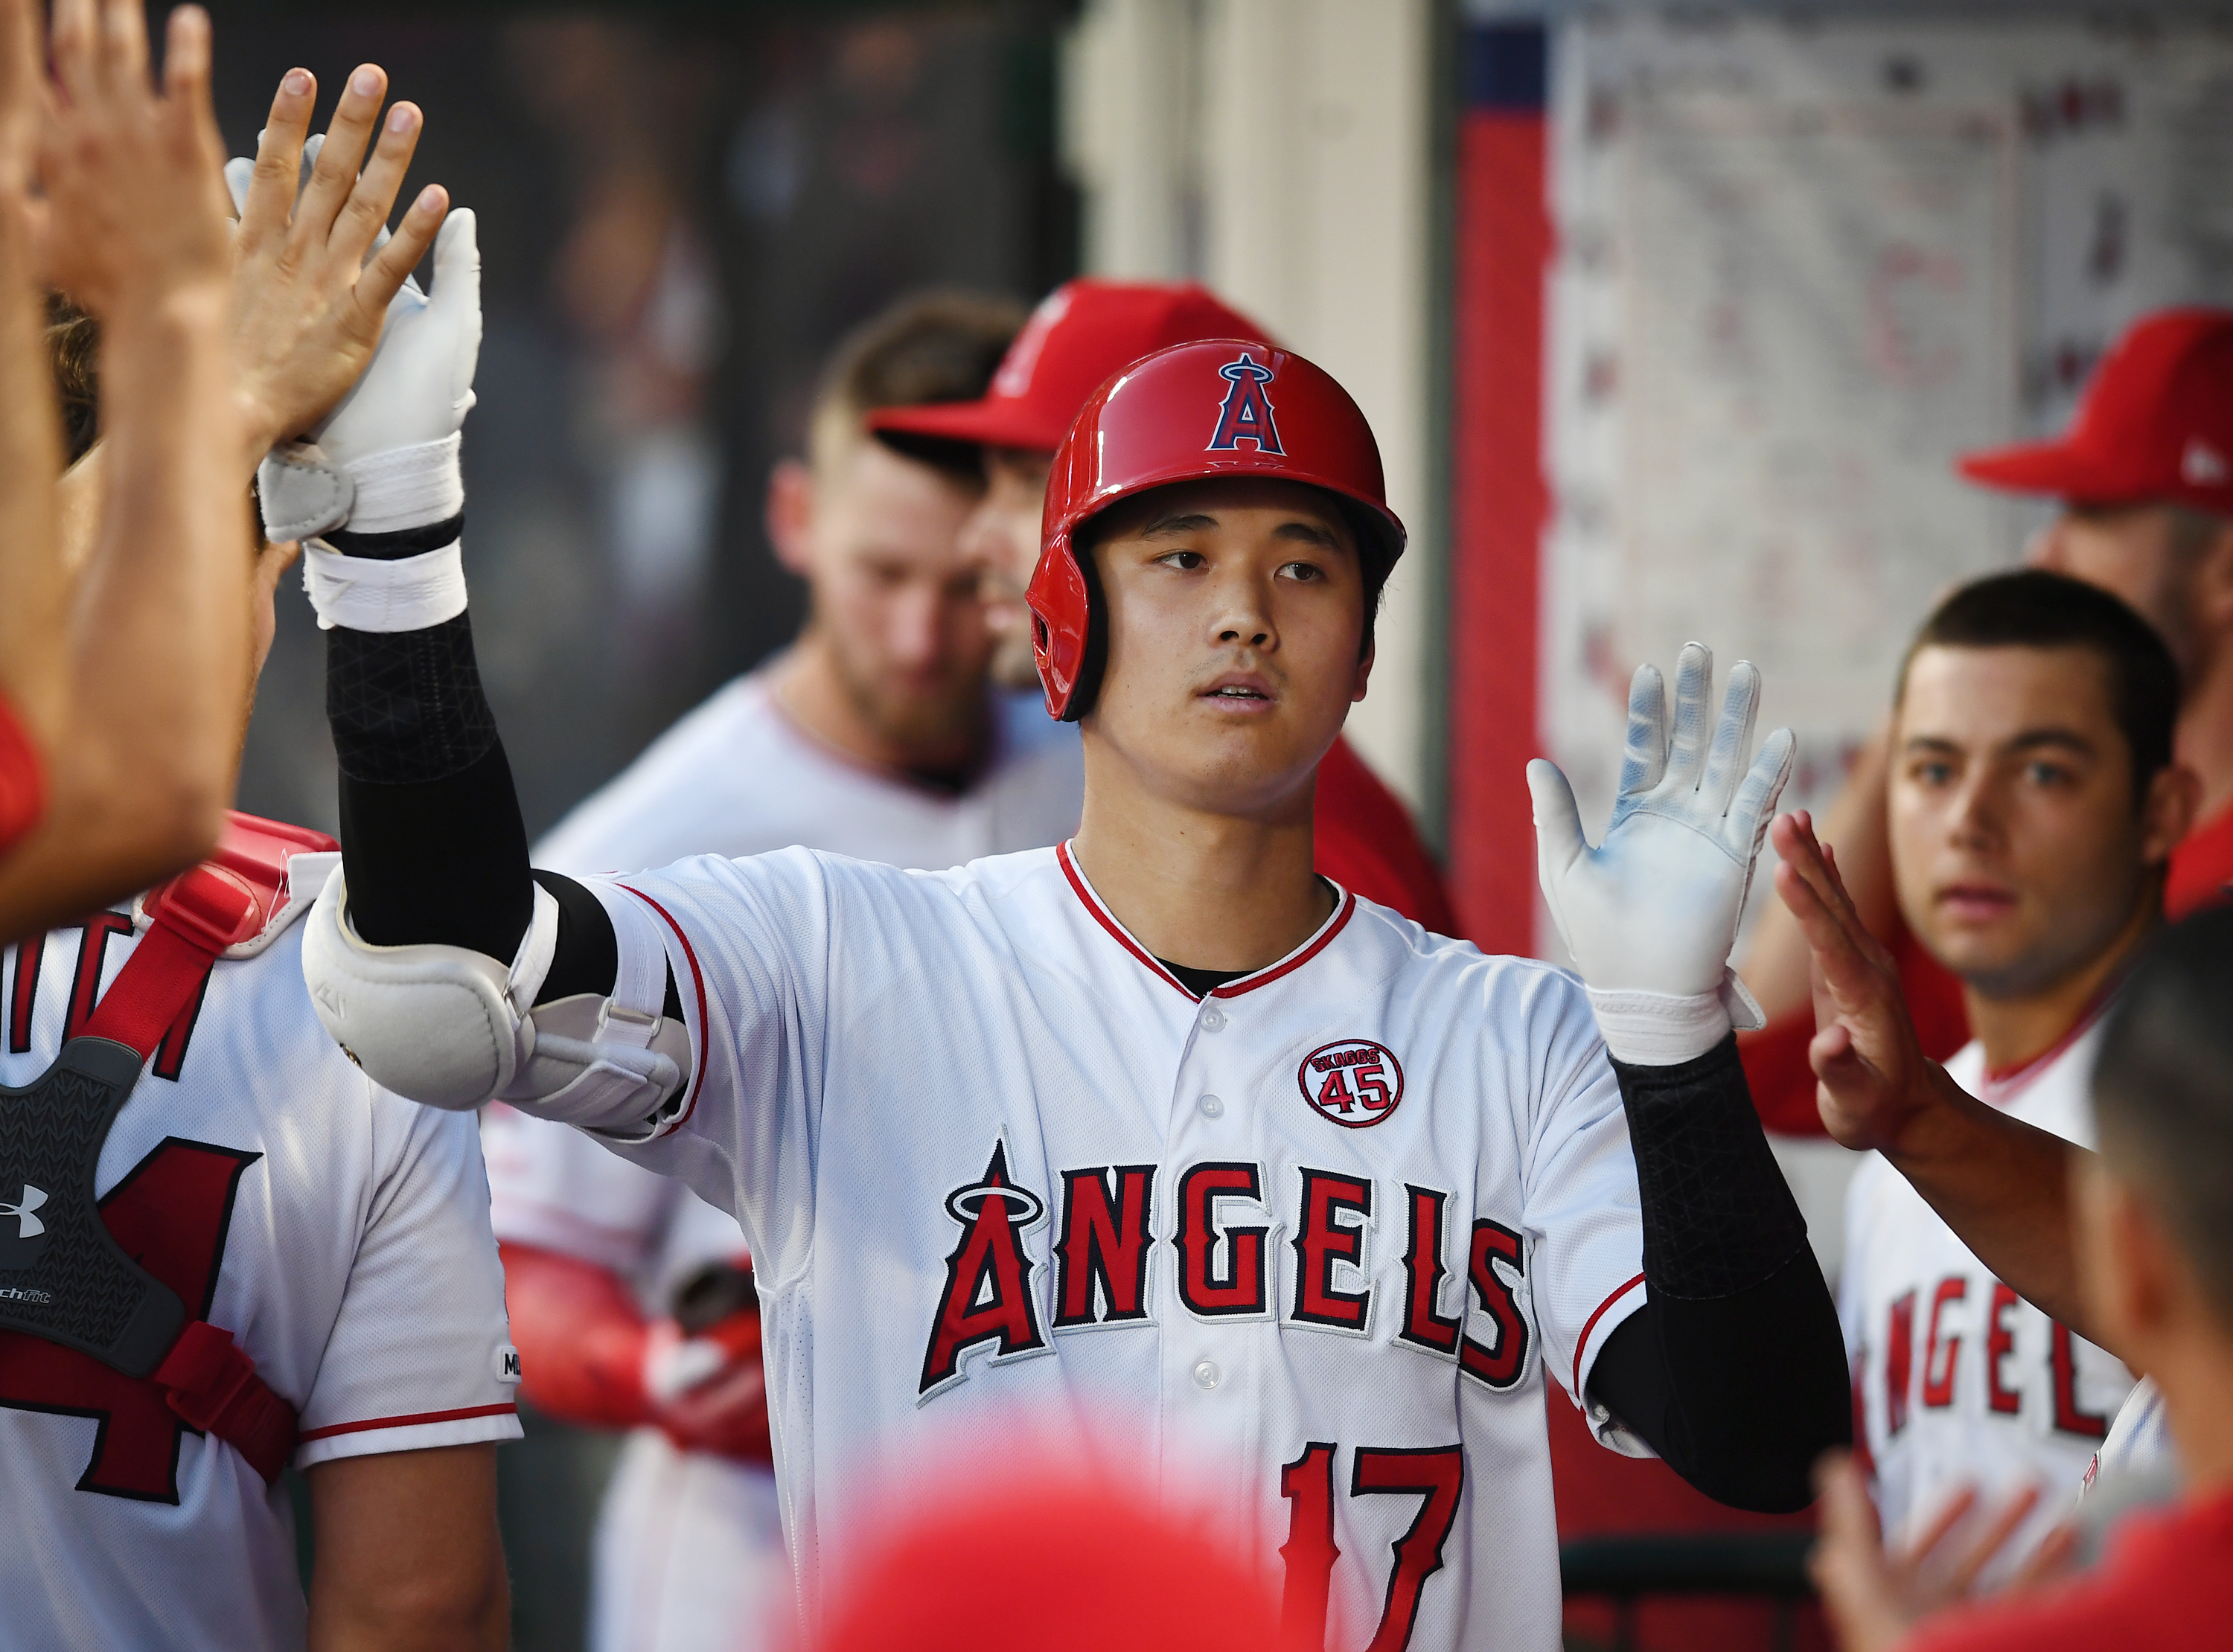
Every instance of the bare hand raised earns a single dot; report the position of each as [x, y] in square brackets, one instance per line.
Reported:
[312, 280]
[135, 199]
[1872, 1075]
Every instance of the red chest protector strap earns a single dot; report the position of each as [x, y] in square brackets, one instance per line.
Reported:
[207, 1378]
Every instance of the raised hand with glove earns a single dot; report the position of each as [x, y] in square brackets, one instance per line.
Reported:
[1651, 914]
[1736, 1366]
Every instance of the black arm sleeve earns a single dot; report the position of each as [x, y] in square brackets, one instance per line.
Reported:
[431, 838]
[1734, 1370]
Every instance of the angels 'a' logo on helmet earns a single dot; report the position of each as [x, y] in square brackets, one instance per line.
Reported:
[1246, 413]
[1355, 1082]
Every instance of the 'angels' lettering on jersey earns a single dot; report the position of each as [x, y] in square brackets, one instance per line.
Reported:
[1105, 1246]
[996, 1164]
[1959, 1381]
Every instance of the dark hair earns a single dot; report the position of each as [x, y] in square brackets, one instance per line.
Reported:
[2032, 608]
[73, 351]
[927, 347]
[2163, 1089]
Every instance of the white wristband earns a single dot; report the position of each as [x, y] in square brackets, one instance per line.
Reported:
[406, 487]
[369, 594]
[1660, 1029]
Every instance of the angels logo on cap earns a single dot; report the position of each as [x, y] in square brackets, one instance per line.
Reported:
[1246, 415]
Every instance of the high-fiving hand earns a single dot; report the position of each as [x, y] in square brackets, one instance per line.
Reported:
[315, 278]
[135, 206]
[1653, 909]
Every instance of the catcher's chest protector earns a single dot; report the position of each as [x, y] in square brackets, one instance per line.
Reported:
[63, 1278]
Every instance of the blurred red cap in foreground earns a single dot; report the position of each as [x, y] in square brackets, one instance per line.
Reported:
[1068, 1562]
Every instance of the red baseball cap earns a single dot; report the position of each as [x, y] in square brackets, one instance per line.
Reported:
[1083, 333]
[1027, 1561]
[2156, 423]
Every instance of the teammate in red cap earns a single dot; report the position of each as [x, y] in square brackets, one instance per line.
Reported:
[1157, 1136]
[1081, 333]
[2145, 474]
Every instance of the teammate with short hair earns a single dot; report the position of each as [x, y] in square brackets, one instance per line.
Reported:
[1156, 1134]
[223, 1250]
[2144, 475]
[1081, 333]
[2034, 803]
[874, 734]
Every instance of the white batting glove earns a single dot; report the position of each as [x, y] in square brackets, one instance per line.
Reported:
[1650, 914]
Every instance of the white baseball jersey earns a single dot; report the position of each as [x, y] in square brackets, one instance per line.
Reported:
[1962, 1381]
[1303, 1246]
[339, 1232]
[688, 1541]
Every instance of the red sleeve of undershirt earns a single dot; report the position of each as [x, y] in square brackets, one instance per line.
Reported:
[581, 1340]
[2201, 867]
[1367, 843]
[23, 779]
[1775, 1064]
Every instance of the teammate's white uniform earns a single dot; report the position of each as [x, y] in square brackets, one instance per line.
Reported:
[689, 1553]
[1305, 1244]
[1963, 1383]
[340, 1233]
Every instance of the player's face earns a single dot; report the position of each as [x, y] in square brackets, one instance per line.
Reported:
[1235, 611]
[2130, 551]
[2017, 850]
[898, 599]
[1003, 536]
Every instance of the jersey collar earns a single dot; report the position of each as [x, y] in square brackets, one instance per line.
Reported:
[1344, 907]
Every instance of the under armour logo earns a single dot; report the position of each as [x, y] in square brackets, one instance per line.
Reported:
[30, 1226]
[1246, 413]
[2202, 465]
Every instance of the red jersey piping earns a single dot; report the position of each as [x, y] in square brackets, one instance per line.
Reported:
[1343, 910]
[697, 980]
[459, 1415]
[2004, 1087]
[1583, 1346]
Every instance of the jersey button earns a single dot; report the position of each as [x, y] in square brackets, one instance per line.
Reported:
[1212, 1019]
[1207, 1375]
[1211, 1107]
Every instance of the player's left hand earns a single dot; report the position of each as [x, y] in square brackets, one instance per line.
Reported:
[1876, 1597]
[1654, 908]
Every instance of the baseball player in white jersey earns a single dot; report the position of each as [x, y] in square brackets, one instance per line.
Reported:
[2035, 802]
[689, 1549]
[304, 1260]
[1156, 1127]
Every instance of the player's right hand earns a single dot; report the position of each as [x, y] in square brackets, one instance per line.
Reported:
[313, 280]
[136, 218]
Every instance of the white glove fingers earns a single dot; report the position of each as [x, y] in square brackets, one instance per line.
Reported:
[1559, 840]
[1644, 760]
[237, 172]
[1763, 784]
[457, 298]
[1694, 687]
[1732, 738]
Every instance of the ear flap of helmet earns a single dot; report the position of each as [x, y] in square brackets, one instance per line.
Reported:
[1061, 608]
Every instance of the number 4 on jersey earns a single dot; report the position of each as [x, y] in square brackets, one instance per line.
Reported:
[1435, 1474]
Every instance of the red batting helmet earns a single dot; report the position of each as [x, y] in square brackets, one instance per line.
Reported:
[1215, 408]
